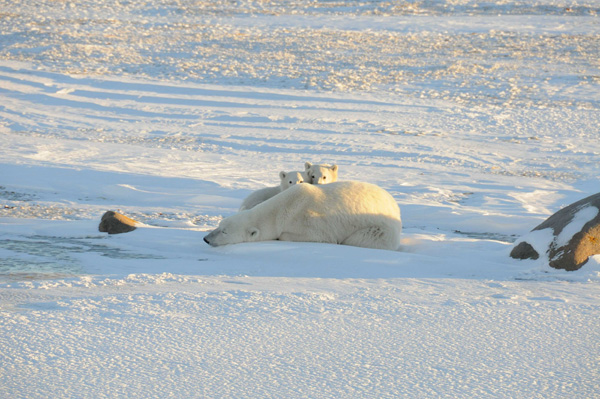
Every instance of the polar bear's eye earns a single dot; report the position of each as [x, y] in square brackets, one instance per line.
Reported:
[324, 177]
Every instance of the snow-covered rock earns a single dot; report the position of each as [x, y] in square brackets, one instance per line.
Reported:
[568, 238]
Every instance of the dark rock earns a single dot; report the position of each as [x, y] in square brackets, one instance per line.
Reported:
[575, 236]
[524, 250]
[116, 223]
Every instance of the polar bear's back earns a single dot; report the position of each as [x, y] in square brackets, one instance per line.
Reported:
[346, 197]
[259, 196]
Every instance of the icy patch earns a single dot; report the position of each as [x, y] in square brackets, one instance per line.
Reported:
[42, 257]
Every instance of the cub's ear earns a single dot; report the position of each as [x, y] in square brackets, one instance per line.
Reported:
[334, 168]
[307, 165]
[282, 175]
[254, 232]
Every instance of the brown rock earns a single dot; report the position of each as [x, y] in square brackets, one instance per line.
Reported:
[116, 223]
[570, 252]
[576, 253]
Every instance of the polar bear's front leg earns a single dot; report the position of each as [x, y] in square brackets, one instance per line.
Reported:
[293, 237]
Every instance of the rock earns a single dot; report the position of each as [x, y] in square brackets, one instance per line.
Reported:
[574, 235]
[116, 223]
[524, 250]
[574, 255]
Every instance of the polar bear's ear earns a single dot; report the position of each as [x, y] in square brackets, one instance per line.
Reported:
[334, 168]
[307, 165]
[282, 175]
[254, 232]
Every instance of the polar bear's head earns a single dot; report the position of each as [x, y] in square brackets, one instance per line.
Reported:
[233, 230]
[288, 179]
[321, 174]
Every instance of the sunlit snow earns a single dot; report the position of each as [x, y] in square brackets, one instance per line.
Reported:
[481, 119]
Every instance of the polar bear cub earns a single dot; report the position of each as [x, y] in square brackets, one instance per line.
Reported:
[346, 212]
[288, 179]
[321, 174]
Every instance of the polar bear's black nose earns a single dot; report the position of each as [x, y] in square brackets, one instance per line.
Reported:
[206, 241]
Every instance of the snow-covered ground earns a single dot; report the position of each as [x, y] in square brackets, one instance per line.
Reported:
[481, 119]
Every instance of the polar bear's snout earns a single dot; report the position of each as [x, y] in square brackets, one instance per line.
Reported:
[210, 238]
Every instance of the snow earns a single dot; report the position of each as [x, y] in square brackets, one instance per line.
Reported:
[481, 119]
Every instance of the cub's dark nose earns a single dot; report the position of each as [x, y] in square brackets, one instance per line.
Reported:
[206, 241]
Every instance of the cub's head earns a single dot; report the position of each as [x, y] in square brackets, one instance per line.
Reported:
[321, 174]
[233, 230]
[288, 179]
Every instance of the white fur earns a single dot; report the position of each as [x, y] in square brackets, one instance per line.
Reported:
[288, 179]
[350, 213]
[321, 174]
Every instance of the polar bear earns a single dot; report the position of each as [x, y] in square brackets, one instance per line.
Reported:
[346, 212]
[321, 174]
[288, 179]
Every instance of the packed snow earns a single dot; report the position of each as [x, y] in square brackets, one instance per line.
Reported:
[481, 119]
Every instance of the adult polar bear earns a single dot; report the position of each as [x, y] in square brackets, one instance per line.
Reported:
[347, 212]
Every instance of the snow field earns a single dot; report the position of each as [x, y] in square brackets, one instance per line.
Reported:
[165, 335]
[480, 119]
